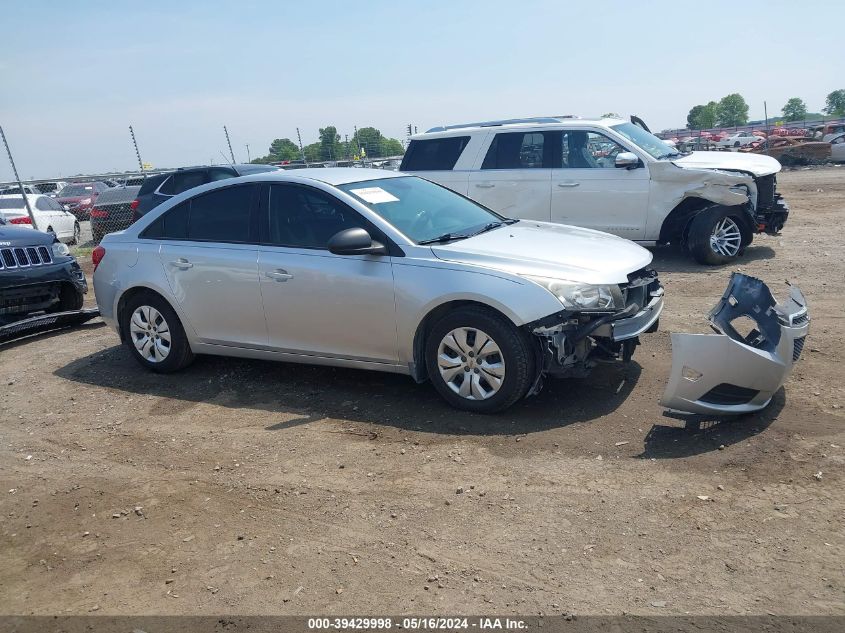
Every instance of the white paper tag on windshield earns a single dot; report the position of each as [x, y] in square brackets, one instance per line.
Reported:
[374, 195]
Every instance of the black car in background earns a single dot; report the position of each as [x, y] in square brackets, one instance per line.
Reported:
[37, 274]
[159, 187]
[112, 211]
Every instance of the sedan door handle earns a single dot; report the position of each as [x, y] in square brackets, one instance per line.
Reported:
[568, 184]
[485, 185]
[279, 275]
[182, 263]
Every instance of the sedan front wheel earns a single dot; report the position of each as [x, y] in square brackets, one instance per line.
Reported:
[478, 360]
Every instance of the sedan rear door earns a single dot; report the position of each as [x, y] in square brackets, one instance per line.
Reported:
[210, 258]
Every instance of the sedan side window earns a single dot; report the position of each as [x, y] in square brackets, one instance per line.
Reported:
[517, 150]
[42, 205]
[171, 225]
[581, 149]
[300, 217]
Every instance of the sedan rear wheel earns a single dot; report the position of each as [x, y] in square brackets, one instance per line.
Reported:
[478, 360]
[154, 334]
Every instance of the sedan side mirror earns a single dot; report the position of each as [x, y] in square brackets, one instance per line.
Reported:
[355, 242]
[627, 160]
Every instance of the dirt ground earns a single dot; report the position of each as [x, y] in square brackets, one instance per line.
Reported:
[249, 487]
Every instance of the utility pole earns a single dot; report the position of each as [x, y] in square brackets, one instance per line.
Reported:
[226, 132]
[137, 153]
[18, 178]
[766, 114]
[346, 138]
[248, 157]
[301, 151]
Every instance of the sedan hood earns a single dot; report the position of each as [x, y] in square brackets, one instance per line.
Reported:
[731, 161]
[557, 251]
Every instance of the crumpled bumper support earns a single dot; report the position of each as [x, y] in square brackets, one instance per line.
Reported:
[732, 373]
[46, 322]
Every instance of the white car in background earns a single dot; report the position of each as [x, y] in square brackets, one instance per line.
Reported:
[50, 217]
[837, 148]
[740, 139]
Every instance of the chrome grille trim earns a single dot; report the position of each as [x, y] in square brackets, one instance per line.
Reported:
[24, 257]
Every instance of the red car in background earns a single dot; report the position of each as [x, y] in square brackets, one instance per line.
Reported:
[79, 197]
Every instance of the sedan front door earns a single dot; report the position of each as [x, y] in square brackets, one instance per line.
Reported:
[317, 303]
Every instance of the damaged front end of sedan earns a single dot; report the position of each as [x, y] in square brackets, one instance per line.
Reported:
[604, 326]
[731, 372]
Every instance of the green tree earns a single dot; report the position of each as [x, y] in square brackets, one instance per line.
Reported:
[794, 110]
[391, 147]
[835, 103]
[370, 139]
[284, 149]
[732, 110]
[314, 152]
[330, 143]
[701, 117]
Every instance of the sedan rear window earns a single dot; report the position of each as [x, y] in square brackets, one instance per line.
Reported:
[436, 154]
[77, 190]
[12, 203]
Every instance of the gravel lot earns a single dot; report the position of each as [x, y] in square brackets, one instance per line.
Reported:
[249, 487]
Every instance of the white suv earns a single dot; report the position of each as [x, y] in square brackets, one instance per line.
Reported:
[606, 174]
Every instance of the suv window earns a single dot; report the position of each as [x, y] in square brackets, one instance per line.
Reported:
[586, 150]
[221, 215]
[220, 173]
[306, 218]
[518, 150]
[151, 183]
[182, 181]
[436, 154]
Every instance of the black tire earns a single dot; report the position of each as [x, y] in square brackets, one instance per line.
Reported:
[77, 233]
[736, 143]
[702, 227]
[180, 354]
[520, 369]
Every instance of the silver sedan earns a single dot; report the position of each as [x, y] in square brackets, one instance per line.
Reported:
[374, 270]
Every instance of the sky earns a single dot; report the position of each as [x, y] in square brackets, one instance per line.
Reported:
[75, 75]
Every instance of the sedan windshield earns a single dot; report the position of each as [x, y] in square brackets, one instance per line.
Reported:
[646, 141]
[423, 211]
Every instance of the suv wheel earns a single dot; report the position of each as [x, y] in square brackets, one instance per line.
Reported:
[155, 335]
[715, 236]
[479, 361]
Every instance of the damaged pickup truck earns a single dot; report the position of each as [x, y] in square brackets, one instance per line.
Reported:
[610, 175]
[740, 367]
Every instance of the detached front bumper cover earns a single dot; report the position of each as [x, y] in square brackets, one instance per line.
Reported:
[731, 373]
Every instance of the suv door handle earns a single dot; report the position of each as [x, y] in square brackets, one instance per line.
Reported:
[182, 264]
[568, 184]
[485, 185]
[279, 275]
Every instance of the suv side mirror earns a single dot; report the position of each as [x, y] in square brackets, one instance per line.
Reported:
[355, 242]
[627, 160]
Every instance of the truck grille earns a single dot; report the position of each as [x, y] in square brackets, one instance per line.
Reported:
[25, 257]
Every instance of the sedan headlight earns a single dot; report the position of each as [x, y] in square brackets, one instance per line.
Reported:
[60, 250]
[575, 296]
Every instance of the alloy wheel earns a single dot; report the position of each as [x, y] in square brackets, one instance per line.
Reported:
[471, 363]
[726, 238]
[150, 334]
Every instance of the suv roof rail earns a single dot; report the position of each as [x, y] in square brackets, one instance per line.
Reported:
[536, 119]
